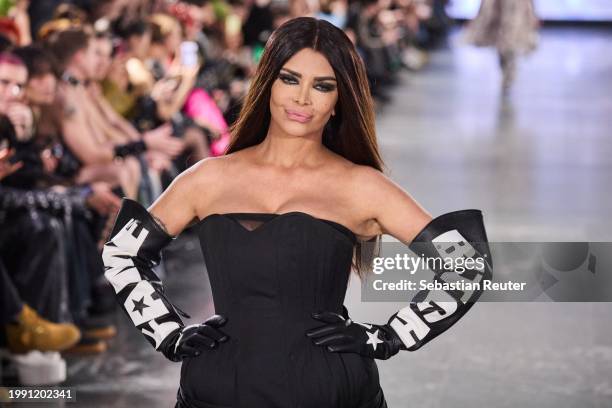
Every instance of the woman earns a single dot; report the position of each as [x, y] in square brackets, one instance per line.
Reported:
[302, 188]
[509, 26]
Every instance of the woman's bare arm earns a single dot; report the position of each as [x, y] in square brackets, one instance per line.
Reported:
[191, 190]
[394, 211]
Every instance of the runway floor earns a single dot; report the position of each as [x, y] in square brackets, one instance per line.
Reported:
[539, 165]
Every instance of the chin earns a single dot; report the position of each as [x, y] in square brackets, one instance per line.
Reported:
[300, 131]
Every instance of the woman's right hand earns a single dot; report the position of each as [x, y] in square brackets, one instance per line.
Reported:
[192, 340]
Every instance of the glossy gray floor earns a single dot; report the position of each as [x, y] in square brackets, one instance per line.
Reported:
[539, 165]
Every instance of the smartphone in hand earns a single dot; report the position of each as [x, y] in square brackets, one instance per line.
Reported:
[189, 54]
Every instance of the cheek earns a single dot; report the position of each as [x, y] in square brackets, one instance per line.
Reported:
[35, 86]
[278, 96]
[278, 91]
[325, 102]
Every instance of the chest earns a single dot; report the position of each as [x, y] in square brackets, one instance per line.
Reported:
[283, 194]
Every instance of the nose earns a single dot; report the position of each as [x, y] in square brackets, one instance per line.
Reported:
[303, 97]
[51, 82]
[16, 91]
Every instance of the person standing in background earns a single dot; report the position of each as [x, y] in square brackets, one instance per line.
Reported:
[510, 26]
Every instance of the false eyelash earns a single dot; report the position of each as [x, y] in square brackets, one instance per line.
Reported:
[286, 78]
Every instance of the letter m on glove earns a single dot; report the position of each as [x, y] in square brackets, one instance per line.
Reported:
[129, 257]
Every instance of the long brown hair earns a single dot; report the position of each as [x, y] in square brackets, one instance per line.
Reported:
[351, 132]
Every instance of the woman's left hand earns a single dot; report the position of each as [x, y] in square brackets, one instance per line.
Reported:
[341, 334]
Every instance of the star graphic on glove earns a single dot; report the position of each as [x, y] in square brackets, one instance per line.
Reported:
[373, 339]
[139, 305]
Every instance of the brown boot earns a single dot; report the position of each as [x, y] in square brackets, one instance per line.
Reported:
[101, 333]
[88, 346]
[32, 332]
[96, 328]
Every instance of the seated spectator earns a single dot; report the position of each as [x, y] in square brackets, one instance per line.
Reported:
[33, 283]
[26, 330]
[194, 140]
[121, 90]
[45, 219]
[85, 133]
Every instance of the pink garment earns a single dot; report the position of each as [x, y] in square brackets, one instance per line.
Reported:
[199, 104]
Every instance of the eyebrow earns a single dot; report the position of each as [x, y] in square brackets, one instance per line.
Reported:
[10, 81]
[323, 78]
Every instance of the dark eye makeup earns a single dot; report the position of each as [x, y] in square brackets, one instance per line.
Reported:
[292, 80]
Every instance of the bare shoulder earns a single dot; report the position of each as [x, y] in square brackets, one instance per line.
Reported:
[208, 167]
[206, 182]
[388, 207]
[367, 186]
[187, 196]
[64, 100]
[205, 174]
[368, 178]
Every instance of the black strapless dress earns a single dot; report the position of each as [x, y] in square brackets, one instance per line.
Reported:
[268, 273]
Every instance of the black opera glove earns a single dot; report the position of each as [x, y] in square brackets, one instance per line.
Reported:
[457, 234]
[129, 257]
[191, 340]
[342, 335]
